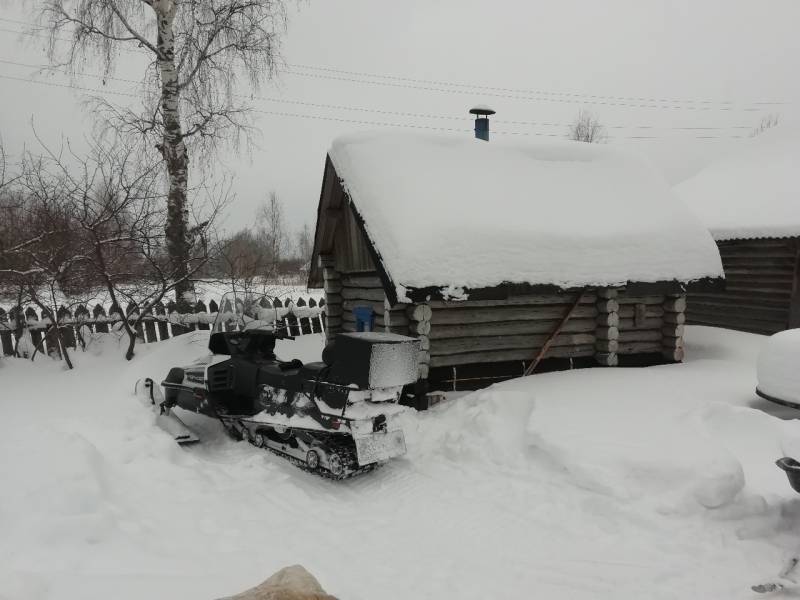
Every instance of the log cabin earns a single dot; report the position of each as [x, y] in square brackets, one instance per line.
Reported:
[505, 257]
[750, 203]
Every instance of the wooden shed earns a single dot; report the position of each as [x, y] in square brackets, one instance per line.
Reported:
[497, 255]
[750, 202]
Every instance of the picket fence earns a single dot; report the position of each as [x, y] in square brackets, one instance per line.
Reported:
[300, 316]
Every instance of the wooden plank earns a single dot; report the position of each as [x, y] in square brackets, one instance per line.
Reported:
[794, 303]
[454, 316]
[737, 300]
[444, 331]
[639, 347]
[369, 294]
[623, 299]
[521, 300]
[362, 280]
[508, 355]
[647, 323]
[745, 310]
[443, 347]
[377, 307]
[629, 311]
[640, 335]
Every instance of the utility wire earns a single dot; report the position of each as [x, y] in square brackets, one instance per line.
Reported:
[445, 90]
[471, 88]
[382, 111]
[516, 90]
[338, 119]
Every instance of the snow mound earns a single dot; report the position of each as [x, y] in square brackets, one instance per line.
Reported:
[617, 447]
[525, 213]
[778, 374]
[750, 193]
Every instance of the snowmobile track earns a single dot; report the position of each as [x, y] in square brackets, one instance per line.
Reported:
[347, 454]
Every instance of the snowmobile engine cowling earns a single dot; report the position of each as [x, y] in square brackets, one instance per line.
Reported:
[373, 360]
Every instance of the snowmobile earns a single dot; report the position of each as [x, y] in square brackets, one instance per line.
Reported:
[787, 576]
[337, 417]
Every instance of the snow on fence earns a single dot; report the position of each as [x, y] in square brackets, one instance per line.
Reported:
[300, 317]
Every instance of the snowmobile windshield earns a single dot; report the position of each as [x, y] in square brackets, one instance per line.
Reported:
[247, 312]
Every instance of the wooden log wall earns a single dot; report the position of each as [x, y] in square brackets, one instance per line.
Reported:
[419, 326]
[672, 330]
[364, 288]
[607, 328]
[640, 324]
[333, 296]
[483, 331]
[762, 288]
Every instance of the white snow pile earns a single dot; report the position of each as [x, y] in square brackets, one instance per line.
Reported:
[752, 192]
[779, 366]
[582, 485]
[459, 212]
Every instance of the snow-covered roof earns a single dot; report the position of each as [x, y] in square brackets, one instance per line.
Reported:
[464, 213]
[753, 192]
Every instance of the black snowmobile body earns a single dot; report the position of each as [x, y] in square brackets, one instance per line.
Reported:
[337, 417]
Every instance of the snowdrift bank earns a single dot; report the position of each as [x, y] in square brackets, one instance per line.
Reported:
[581, 485]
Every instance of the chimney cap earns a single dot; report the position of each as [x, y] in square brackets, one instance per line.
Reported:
[481, 109]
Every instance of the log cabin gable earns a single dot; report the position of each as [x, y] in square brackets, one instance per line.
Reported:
[341, 235]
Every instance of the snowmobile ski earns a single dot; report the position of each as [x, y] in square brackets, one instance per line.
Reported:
[166, 419]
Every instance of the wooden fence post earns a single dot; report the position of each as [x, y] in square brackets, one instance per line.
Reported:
[101, 322]
[177, 327]
[31, 318]
[67, 327]
[51, 335]
[6, 336]
[160, 314]
[200, 309]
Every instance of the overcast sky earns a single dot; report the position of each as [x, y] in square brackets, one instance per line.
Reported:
[647, 68]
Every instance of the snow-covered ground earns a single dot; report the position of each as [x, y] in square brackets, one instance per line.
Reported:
[604, 483]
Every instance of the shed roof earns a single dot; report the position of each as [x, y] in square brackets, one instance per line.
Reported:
[457, 214]
[753, 192]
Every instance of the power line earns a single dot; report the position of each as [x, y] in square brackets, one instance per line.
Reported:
[390, 112]
[502, 92]
[430, 88]
[341, 119]
[517, 90]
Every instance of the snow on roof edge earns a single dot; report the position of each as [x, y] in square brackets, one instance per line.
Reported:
[676, 246]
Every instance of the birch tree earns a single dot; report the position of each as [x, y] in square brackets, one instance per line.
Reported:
[199, 51]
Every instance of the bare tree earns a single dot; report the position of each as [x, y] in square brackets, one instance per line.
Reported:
[199, 50]
[243, 262]
[767, 122]
[587, 128]
[272, 230]
[305, 244]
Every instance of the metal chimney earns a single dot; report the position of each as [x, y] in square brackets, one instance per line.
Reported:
[481, 113]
